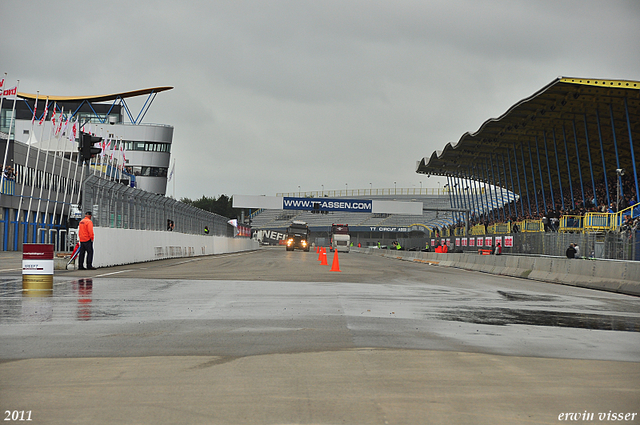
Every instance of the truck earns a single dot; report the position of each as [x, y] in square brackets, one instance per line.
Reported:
[340, 239]
[298, 236]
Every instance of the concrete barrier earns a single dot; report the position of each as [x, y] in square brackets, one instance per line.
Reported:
[114, 247]
[607, 275]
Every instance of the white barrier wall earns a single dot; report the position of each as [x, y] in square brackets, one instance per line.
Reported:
[125, 246]
[608, 275]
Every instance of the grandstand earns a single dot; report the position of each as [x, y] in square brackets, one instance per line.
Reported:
[560, 161]
[369, 228]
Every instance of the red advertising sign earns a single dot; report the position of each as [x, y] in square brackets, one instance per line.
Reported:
[508, 241]
[37, 251]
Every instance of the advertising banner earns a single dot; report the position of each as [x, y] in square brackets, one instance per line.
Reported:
[488, 241]
[327, 204]
[472, 241]
[508, 241]
[457, 241]
[464, 241]
[480, 241]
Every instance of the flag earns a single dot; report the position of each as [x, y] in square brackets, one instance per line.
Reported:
[172, 170]
[74, 131]
[35, 106]
[59, 126]
[44, 115]
[10, 92]
[53, 116]
[65, 126]
[2, 83]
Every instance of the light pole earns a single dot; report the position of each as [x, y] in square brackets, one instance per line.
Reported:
[346, 190]
[322, 189]
[298, 191]
[395, 188]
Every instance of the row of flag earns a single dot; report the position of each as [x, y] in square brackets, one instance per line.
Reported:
[8, 92]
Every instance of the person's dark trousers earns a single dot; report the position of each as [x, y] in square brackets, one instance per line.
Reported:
[86, 247]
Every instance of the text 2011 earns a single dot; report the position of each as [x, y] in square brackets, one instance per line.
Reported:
[17, 415]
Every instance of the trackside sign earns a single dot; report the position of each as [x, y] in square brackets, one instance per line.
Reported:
[326, 204]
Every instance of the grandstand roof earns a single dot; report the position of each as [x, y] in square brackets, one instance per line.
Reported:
[97, 98]
[587, 113]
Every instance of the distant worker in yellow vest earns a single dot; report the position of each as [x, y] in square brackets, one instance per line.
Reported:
[85, 235]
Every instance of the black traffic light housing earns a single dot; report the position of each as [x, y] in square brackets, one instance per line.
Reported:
[87, 148]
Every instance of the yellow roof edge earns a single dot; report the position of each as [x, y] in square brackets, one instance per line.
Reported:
[621, 84]
[96, 98]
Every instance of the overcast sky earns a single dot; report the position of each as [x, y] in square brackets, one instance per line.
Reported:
[273, 96]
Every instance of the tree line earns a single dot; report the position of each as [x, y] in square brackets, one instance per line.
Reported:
[222, 205]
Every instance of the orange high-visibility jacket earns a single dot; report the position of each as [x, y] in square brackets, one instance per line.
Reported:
[85, 230]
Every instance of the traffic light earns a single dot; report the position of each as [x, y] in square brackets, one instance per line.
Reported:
[87, 150]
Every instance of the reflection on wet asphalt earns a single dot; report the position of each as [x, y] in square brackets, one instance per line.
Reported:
[155, 317]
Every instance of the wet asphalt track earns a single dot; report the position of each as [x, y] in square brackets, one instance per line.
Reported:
[272, 301]
[273, 337]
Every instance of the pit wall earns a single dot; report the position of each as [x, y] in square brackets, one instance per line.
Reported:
[114, 247]
[607, 275]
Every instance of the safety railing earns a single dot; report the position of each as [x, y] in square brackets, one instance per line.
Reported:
[478, 229]
[499, 228]
[531, 226]
[598, 222]
[571, 223]
[8, 187]
[458, 231]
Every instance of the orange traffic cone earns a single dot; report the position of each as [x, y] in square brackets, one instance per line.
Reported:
[320, 254]
[335, 266]
[323, 261]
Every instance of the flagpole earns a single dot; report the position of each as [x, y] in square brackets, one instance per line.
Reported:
[66, 187]
[44, 171]
[33, 185]
[26, 162]
[121, 167]
[6, 149]
[174, 179]
[59, 134]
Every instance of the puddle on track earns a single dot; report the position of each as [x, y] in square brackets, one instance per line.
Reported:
[506, 316]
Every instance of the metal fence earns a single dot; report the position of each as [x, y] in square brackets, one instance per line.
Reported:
[611, 245]
[116, 205]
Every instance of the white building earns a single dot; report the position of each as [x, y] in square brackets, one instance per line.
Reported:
[147, 147]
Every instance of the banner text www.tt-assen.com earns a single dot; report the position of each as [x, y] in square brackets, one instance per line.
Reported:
[325, 204]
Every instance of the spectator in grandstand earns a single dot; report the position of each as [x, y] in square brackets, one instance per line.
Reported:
[9, 173]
